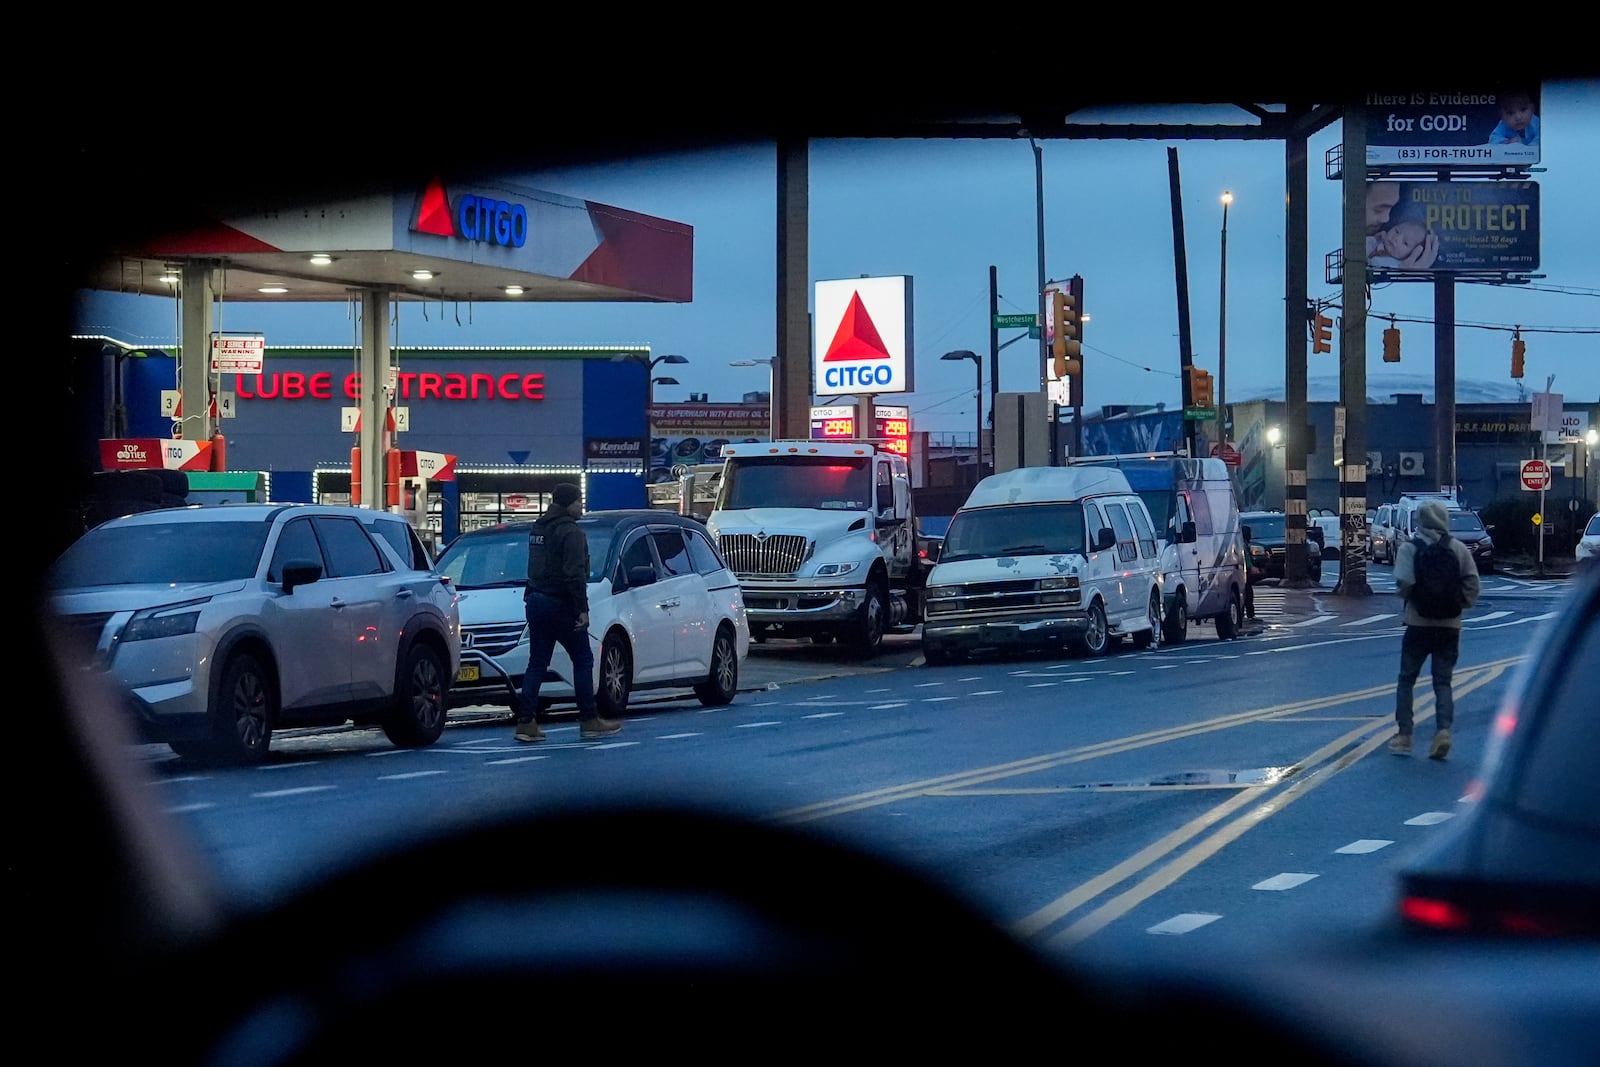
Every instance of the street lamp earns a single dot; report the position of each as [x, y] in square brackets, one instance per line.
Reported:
[650, 382]
[772, 390]
[977, 442]
[1222, 330]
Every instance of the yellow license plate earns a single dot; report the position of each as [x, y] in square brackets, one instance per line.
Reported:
[467, 673]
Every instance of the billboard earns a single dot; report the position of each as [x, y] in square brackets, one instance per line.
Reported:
[1453, 226]
[864, 344]
[1498, 127]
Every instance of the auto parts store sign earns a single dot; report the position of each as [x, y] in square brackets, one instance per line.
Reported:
[863, 344]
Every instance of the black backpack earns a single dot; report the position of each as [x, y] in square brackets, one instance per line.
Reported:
[1437, 592]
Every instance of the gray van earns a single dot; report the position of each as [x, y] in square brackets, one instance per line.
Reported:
[1192, 503]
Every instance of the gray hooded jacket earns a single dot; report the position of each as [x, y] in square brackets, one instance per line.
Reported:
[1433, 522]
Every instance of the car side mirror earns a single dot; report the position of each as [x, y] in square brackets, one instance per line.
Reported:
[641, 574]
[299, 572]
[1189, 535]
[1105, 540]
[1316, 535]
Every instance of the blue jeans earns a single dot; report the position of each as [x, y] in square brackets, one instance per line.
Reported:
[1443, 645]
[552, 622]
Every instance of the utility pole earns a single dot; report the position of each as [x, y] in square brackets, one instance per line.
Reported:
[1185, 353]
[1351, 452]
[1044, 344]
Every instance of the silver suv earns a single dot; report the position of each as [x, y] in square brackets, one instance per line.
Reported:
[221, 624]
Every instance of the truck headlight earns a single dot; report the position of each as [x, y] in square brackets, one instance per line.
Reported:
[829, 569]
[940, 592]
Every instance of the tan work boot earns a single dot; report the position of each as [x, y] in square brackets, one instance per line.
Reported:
[529, 731]
[598, 727]
[1400, 744]
[1441, 744]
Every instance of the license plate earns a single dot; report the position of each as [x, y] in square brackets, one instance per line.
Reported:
[467, 673]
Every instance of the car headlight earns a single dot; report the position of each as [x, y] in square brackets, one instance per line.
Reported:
[173, 620]
[941, 592]
[828, 569]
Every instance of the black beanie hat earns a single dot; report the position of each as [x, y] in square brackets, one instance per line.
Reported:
[565, 494]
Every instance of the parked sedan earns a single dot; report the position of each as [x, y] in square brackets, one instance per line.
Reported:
[664, 612]
[1522, 858]
[222, 624]
[1587, 551]
[1269, 540]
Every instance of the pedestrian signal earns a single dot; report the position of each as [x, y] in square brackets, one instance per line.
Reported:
[1391, 345]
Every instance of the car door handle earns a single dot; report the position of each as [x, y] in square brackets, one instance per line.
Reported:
[674, 602]
[404, 594]
[336, 603]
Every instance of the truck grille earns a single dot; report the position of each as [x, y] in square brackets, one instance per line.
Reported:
[778, 555]
[981, 598]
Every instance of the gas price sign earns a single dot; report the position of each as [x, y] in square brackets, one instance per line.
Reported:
[833, 424]
[891, 428]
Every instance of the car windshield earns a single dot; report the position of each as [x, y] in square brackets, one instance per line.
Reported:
[1264, 527]
[499, 558]
[825, 482]
[1022, 529]
[1465, 522]
[1594, 525]
[163, 554]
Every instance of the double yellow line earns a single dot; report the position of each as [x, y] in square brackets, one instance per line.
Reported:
[1222, 824]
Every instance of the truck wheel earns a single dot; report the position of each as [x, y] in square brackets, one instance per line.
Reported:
[1231, 621]
[872, 620]
[1175, 629]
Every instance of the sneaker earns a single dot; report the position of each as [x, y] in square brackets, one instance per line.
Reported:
[529, 731]
[1400, 744]
[598, 727]
[1441, 744]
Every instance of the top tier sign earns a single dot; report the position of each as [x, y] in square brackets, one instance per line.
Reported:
[1454, 128]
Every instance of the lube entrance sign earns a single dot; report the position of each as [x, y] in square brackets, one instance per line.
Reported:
[863, 344]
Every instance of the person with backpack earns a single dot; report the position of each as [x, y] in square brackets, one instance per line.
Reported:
[1437, 579]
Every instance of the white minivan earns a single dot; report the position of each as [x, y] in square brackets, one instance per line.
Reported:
[1045, 556]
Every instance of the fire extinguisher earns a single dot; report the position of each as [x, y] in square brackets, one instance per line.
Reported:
[219, 452]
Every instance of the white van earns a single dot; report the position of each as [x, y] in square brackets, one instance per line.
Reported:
[1192, 504]
[1043, 556]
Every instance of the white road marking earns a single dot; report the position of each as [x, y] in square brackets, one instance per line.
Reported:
[185, 808]
[1370, 619]
[876, 707]
[1489, 617]
[1430, 818]
[753, 725]
[1182, 924]
[678, 737]
[935, 700]
[515, 759]
[836, 714]
[274, 794]
[1280, 882]
[1315, 620]
[1362, 847]
[408, 774]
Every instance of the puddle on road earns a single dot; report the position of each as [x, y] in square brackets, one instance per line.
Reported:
[1259, 776]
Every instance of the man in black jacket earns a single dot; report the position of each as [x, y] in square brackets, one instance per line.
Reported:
[557, 606]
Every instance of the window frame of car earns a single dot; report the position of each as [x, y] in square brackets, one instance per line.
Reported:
[627, 537]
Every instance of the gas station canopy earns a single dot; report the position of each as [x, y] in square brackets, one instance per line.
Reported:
[451, 241]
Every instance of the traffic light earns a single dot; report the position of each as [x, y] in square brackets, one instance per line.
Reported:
[1065, 345]
[1324, 334]
[1518, 348]
[1391, 345]
[1200, 388]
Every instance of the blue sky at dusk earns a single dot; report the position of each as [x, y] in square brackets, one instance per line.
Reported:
[944, 211]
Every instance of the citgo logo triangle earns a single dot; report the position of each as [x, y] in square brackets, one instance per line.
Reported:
[433, 214]
[857, 337]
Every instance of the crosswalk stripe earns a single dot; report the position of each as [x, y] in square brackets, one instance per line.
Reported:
[1370, 619]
